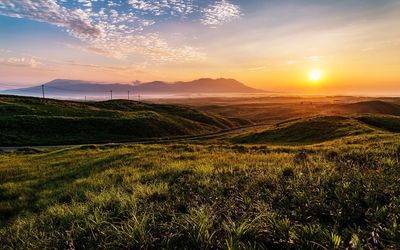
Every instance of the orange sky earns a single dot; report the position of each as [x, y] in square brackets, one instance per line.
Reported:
[268, 45]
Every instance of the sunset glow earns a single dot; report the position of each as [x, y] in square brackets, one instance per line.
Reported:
[268, 45]
[315, 75]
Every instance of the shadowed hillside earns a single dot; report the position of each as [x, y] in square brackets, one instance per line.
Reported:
[307, 131]
[372, 107]
[384, 122]
[33, 121]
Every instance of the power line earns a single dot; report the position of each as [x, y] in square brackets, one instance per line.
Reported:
[46, 91]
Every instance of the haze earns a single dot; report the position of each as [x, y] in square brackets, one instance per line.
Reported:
[273, 45]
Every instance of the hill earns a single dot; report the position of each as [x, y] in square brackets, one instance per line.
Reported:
[33, 121]
[307, 131]
[384, 122]
[372, 107]
[204, 85]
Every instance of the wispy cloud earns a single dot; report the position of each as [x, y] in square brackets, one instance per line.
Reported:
[219, 13]
[164, 7]
[20, 62]
[12, 59]
[134, 68]
[121, 29]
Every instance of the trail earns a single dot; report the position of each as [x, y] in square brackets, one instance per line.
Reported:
[149, 140]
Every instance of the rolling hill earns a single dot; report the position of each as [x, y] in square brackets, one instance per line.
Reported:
[204, 85]
[372, 107]
[383, 122]
[33, 121]
[307, 131]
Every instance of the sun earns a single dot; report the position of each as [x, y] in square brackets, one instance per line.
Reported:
[315, 75]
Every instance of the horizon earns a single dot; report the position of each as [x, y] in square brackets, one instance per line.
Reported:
[266, 93]
[305, 47]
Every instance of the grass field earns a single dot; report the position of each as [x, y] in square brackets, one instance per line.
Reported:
[308, 131]
[33, 121]
[336, 195]
[317, 182]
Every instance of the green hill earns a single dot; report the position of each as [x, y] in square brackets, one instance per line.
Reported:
[33, 121]
[307, 131]
[372, 107]
[384, 122]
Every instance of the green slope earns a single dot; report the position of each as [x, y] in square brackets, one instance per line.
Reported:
[384, 122]
[32, 121]
[372, 107]
[307, 131]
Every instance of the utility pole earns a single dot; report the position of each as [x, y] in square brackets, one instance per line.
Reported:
[139, 97]
[43, 91]
[85, 98]
[128, 95]
[111, 94]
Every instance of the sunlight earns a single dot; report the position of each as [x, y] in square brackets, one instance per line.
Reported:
[315, 75]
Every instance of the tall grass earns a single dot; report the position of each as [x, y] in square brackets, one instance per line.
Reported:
[338, 195]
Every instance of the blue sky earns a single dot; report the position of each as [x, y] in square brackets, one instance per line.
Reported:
[266, 43]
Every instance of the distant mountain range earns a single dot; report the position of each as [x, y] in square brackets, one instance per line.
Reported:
[204, 85]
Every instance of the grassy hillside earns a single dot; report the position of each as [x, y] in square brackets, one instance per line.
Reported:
[33, 121]
[372, 107]
[307, 131]
[388, 123]
[341, 196]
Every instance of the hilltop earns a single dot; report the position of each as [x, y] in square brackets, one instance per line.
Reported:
[372, 107]
[307, 131]
[33, 121]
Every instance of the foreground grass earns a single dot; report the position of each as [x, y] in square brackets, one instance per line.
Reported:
[342, 194]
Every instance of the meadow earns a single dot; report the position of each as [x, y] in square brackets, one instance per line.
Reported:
[341, 194]
[313, 182]
[26, 121]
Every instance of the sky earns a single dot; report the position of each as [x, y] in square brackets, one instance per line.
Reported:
[267, 44]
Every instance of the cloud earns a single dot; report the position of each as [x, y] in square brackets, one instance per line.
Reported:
[136, 68]
[20, 62]
[123, 28]
[77, 22]
[164, 7]
[220, 13]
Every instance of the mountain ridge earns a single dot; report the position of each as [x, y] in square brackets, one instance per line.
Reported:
[202, 85]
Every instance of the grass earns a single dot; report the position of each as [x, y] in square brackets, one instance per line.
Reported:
[308, 131]
[342, 194]
[384, 122]
[324, 182]
[33, 121]
[373, 107]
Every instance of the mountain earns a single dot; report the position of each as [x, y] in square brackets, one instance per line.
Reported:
[204, 85]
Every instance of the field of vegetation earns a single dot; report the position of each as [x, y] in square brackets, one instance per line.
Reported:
[342, 194]
[319, 182]
[320, 129]
[32, 121]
